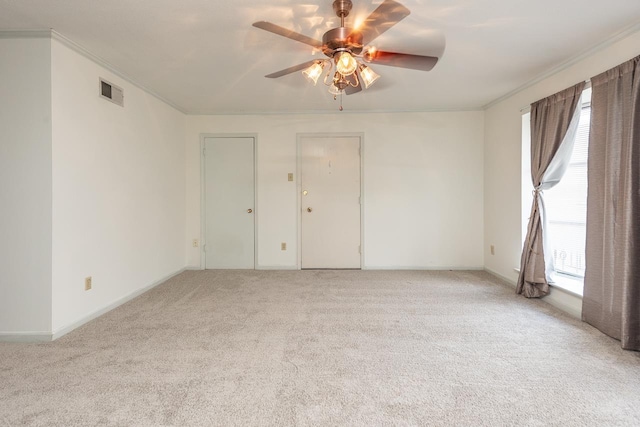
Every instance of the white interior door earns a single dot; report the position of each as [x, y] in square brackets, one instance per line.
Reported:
[330, 202]
[229, 203]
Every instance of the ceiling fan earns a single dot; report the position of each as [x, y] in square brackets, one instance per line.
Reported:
[349, 49]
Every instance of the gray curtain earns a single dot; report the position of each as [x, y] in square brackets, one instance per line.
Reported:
[554, 122]
[611, 299]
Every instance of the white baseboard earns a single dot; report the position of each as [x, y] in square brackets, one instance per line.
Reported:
[419, 267]
[512, 282]
[565, 301]
[25, 336]
[257, 267]
[277, 267]
[66, 329]
[46, 336]
[376, 267]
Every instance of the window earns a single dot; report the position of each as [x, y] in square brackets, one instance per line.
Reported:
[566, 208]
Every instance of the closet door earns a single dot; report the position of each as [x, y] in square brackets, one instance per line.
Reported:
[229, 203]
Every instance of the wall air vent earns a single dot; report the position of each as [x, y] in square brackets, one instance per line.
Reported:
[111, 92]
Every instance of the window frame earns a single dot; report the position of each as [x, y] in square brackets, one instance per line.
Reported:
[570, 283]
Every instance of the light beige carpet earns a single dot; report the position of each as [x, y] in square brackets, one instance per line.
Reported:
[324, 348]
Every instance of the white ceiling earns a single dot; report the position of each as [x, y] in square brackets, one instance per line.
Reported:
[205, 57]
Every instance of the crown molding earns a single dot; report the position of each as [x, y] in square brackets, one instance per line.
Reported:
[92, 57]
[25, 34]
[54, 35]
[569, 62]
[332, 111]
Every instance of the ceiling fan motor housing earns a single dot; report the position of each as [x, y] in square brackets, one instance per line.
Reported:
[341, 39]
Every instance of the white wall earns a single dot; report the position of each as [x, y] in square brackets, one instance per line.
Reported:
[118, 189]
[502, 159]
[113, 193]
[423, 179]
[25, 186]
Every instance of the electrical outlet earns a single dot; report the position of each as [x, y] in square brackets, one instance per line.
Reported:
[283, 246]
[195, 243]
[290, 176]
[493, 250]
[87, 283]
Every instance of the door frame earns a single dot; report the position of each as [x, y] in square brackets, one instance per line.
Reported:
[299, 137]
[203, 213]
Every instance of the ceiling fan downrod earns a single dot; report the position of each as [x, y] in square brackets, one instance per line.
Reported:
[342, 38]
[342, 9]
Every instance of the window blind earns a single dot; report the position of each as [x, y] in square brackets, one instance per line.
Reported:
[566, 206]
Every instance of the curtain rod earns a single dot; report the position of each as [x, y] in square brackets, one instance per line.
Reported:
[527, 108]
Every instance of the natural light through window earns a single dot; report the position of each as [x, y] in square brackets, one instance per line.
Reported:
[566, 208]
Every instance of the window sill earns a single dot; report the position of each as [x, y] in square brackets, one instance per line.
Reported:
[569, 284]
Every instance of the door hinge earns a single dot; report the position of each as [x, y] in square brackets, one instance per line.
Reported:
[359, 151]
[204, 151]
[359, 249]
[360, 200]
[204, 248]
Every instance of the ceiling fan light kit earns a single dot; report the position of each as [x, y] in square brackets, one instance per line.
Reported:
[367, 75]
[344, 47]
[335, 90]
[314, 71]
[345, 63]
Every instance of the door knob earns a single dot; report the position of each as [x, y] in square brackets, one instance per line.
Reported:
[309, 209]
[249, 210]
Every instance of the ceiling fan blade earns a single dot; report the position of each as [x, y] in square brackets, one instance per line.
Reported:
[290, 70]
[350, 90]
[388, 14]
[402, 60]
[281, 31]
[353, 79]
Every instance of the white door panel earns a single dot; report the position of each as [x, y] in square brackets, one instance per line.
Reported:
[229, 203]
[330, 202]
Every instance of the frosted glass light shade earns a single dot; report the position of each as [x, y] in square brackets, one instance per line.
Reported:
[314, 72]
[346, 64]
[367, 75]
[333, 90]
